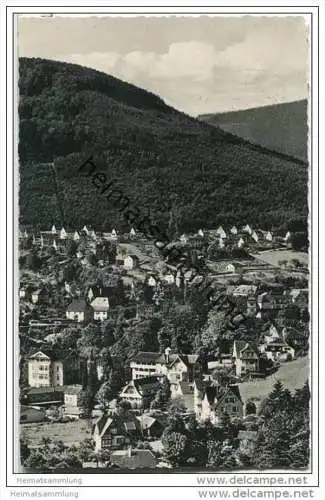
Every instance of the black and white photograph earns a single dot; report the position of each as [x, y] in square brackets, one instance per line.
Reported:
[164, 317]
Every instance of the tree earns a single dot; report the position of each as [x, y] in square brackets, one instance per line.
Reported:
[174, 445]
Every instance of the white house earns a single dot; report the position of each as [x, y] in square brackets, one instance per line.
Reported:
[63, 234]
[247, 229]
[100, 307]
[53, 230]
[200, 233]
[221, 243]
[183, 238]
[76, 310]
[128, 262]
[151, 281]
[169, 279]
[35, 296]
[113, 234]
[254, 236]
[85, 229]
[221, 232]
[240, 243]
[233, 230]
[230, 268]
[132, 232]
[268, 236]
[287, 236]
[76, 236]
[39, 370]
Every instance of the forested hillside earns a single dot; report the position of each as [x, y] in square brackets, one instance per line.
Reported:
[280, 127]
[182, 172]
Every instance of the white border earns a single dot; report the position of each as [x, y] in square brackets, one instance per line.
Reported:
[151, 479]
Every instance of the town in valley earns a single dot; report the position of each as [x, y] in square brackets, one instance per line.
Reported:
[126, 364]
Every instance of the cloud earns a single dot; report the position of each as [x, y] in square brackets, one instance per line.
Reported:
[269, 65]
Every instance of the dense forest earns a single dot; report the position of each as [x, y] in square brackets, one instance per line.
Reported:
[280, 127]
[182, 173]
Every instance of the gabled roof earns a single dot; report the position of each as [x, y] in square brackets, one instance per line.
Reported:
[138, 459]
[216, 393]
[100, 304]
[145, 385]
[39, 354]
[240, 346]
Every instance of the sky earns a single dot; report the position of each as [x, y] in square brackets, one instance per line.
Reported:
[202, 64]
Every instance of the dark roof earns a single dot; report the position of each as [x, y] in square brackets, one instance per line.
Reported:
[145, 384]
[214, 393]
[77, 305]
[138, 459]
[142, 356]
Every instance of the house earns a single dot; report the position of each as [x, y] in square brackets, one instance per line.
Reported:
[151, 281]
[72, 400]
[76, 236]
[233, 230]
[133, 459]
[183, 238]
[140, 392]
[200, 233]
[22, 292]
[287, 237]
[31, 414]
[100, 306]
[44, 396]
[151, 427]
[63, 234]
[36, 296]
[76, 311]
[176, 367]
[213, 400]
[268, 236]
[247, 441]
[299, 297]
[246, 358]
[277, 350]
[169, 279]
[183, 391]
[44, 371]
[240, 243]
[132, 232]
[114, 234]
[39, 370]
[251, 308]
[254, 236]
[221, 232]
[128, 262]
[53, 230]
[116, 430]
[266, 302]
[244, 291]
[85, 230]
[247, 229]
[230, 268]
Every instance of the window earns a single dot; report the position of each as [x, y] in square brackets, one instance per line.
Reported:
[234, 409]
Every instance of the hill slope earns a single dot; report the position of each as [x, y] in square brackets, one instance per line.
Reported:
[281, 127]
[182, 173]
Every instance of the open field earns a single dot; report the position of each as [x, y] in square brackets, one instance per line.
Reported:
[274, 256]
[293, 375]
[69, 432]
